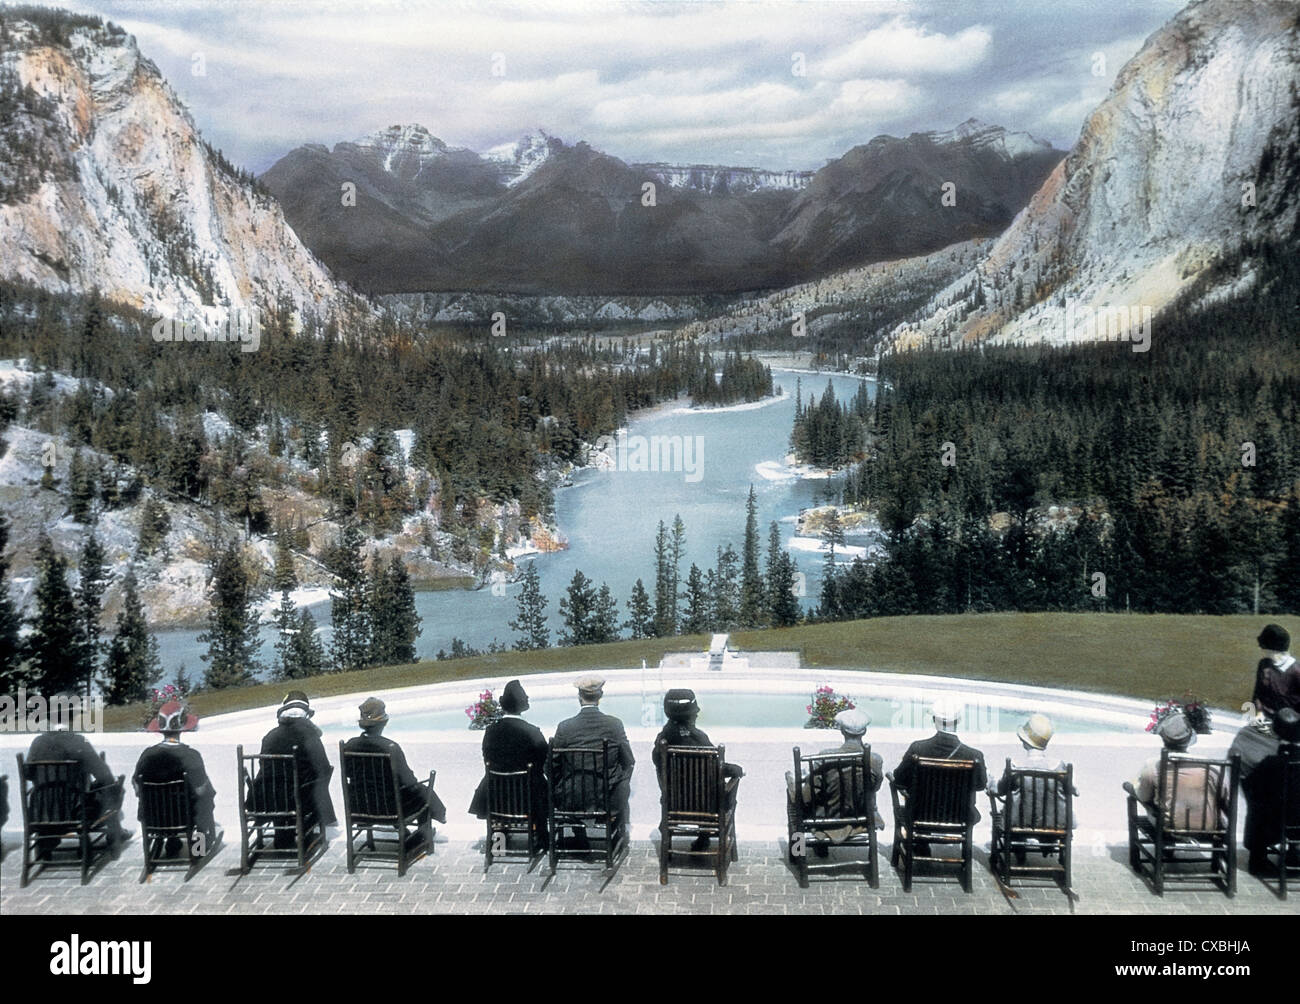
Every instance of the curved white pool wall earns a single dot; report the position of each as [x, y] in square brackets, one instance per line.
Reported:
[914, 693]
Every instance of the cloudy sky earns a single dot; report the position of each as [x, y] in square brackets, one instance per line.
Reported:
[768, 84]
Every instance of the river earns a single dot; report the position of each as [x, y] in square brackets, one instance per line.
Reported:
[610, 519]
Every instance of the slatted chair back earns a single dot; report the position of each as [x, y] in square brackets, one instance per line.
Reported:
[165, 808]
[941, 796]
[269, 784]
[838, 786]
[1193, 795]
[370, 786]
[580, 781]
[693, 784]
[54, 792]
[1039, 802]
[510, 796]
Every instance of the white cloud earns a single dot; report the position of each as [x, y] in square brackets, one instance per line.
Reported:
[903, 48]
[672, 81]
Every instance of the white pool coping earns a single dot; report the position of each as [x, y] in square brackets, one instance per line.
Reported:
[1126, 715]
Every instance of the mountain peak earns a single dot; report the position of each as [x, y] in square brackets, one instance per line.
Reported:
[520, 159]
[973, 130]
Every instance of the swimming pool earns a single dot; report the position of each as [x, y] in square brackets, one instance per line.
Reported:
[748, 710]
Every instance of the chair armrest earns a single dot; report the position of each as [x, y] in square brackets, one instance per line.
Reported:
[119, 784]
[897, 795]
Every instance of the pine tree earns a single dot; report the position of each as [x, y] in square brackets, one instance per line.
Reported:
[132, 665]
[531, 620]
[784, 608]
[829, 607]
[665, 586]
[724, 590]
[751, 581]
[155, 524]
[81, 489]
[394, 623]
[349, 606]
[12, 673]
[182, 466]
[641, 615]
[677, 550]
[577, 610]
[232, 635]
[695, 614]
[56, 637]
[285, 577]
[299, 653]
[604, 617]
[774, 553]
[90, 603]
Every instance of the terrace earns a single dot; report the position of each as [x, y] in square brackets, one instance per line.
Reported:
[758, 718]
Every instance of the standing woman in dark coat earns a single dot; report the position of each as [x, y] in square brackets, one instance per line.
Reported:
[511, 744]
[1277, 676]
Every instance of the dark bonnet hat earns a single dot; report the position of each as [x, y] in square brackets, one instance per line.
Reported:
[513, 698]
[680, 703]
[1274, 638]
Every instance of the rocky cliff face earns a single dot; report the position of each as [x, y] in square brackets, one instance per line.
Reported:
[726, 180]
[106, 182]
[1194, 157]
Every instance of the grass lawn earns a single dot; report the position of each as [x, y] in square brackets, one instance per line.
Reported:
[1140, 655]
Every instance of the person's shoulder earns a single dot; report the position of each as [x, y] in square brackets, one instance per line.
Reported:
[565, 726]
[611, 721]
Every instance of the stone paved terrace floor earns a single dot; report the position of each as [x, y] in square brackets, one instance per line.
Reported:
[453, 881]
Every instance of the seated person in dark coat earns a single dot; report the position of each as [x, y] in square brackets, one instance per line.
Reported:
[415, 794]
[171, 760]
[64, 744]
[1263, 794]
[681, 711]
[294, 733]
[512, 744]
[585, 730]
[1277, 677]
[822, 789]
[943, 745]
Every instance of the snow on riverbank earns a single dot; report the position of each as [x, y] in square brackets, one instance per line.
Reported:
[303, 597]
[845, 552]
[776, 398]
[773, 470]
